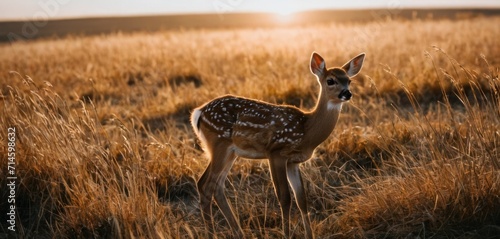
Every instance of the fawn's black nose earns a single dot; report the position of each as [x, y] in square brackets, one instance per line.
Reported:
[345, 95]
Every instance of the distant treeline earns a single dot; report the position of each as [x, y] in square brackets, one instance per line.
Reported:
[27, 30]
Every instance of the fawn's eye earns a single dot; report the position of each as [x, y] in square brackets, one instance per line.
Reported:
[331, 82]
[349, 82]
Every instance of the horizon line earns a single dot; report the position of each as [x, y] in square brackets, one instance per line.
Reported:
[194, 13]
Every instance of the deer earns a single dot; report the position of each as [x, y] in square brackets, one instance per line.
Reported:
[229, 127]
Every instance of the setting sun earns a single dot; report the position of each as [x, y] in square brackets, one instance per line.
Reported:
[284, 10]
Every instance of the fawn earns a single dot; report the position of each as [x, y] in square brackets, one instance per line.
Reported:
[230, 127]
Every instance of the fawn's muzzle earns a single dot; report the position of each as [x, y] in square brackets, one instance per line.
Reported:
[345, 95]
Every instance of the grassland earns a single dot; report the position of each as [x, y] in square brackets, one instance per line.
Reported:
[29, 30]
[104, 148]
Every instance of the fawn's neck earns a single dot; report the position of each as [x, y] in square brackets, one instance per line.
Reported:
[321, 120]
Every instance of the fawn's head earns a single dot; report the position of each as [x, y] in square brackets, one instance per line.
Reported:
[335, 81]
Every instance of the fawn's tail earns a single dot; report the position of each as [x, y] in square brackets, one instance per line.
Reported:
[195, 120]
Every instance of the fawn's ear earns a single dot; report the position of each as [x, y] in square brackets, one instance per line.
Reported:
[353, 66]
[317, 64]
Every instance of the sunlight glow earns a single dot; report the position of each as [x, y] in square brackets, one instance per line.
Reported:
[280, 8]
[285, 10]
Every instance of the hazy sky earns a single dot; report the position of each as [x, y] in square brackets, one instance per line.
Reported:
[43, 9]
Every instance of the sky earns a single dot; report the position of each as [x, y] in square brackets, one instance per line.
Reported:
[27, 10]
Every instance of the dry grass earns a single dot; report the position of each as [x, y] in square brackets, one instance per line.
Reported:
[104, 148]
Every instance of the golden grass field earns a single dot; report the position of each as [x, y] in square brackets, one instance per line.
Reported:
[104, 149]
